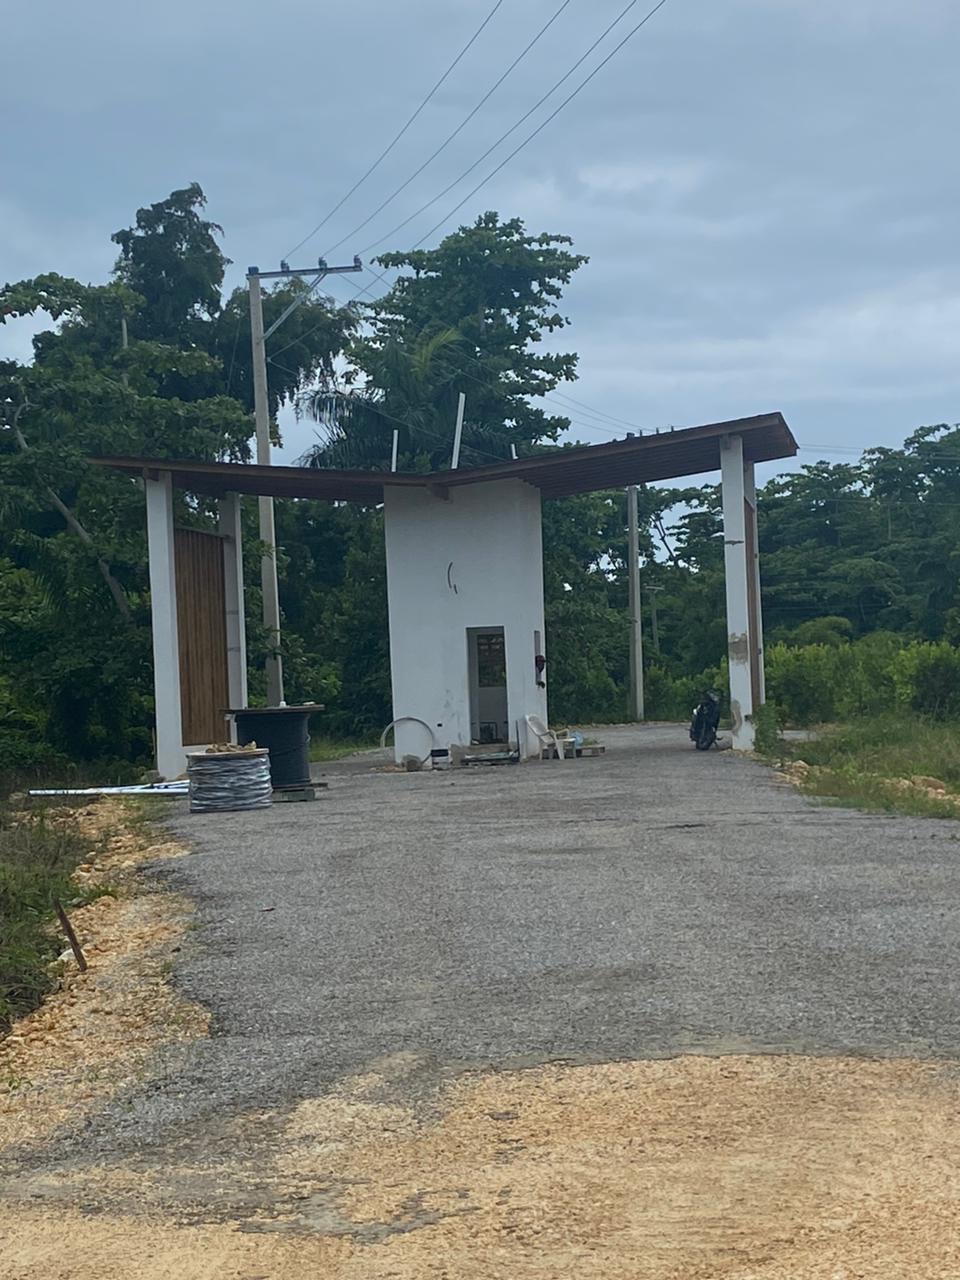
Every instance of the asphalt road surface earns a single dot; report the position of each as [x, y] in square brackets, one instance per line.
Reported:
[651, 902]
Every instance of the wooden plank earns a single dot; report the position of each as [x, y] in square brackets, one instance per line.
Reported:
[201, 621]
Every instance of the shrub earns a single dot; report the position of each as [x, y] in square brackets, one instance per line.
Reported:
[673, 697]
[827, 630]
[768, 740]
[927, 679]
[870, 687]
[806, 682]
[37, 858]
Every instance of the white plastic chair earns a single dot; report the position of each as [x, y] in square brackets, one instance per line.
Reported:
[545, 737]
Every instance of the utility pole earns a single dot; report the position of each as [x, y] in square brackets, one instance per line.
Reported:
[268, 532]
[637, 710]
[261, 410]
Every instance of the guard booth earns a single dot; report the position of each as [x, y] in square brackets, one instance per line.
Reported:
[464, 581]
[465, 597]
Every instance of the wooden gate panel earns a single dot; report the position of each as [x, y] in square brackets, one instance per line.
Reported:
[202, 627]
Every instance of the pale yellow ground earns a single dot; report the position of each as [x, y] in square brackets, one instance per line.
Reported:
[745, 1168]
[101, 1028]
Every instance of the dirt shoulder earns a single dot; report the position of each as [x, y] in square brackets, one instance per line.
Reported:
[768, 1168]
[100, 1030]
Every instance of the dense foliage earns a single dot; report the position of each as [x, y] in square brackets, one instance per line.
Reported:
[860, 560]
[876, 675]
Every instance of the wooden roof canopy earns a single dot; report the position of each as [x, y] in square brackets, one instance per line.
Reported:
[686, 451]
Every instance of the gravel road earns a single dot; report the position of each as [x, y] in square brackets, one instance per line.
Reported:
[650, 902]
[358, 953]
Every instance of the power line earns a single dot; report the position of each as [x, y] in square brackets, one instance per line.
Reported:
[386, 151]
[310, 332]
[543, 124]
[415, 427]
[513, 128]
[450, 137]
[573, 421]
[832, 499]
[851, 449]
[380, 278]
[562, 395]
[833, 448]
[599, 424]
[603, 427]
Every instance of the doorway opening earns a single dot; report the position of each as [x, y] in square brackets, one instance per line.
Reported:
[487, 666]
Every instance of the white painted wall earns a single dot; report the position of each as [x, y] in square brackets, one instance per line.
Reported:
[474, 559]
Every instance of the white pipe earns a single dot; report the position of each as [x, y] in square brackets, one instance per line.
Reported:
[458, 434]
[144, 789]
[409, 719]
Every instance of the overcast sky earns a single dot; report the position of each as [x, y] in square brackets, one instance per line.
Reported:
[767, 189]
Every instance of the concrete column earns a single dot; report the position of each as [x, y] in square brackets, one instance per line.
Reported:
[229, 510]
[739, 554]
[170, 756]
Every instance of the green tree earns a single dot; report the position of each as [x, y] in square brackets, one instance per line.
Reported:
[172, 260]
[469, 316]
[74, 614]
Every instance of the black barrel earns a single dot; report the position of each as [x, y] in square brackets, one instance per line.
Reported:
[285, 732]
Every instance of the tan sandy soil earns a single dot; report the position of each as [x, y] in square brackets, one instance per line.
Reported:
[738, 1167]
[746, 1167]
[101, 1028]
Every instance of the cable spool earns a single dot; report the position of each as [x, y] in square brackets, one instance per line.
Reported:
[229, 780]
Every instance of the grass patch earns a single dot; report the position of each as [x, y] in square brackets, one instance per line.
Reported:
[323, 749]
[37, 858]
[875, 763]
[768, 740]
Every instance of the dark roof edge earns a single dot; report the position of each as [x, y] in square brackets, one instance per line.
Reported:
[572, 469]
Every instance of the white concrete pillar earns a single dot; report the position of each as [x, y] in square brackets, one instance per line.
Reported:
[742, 585]
[229, 514]
[170, 757]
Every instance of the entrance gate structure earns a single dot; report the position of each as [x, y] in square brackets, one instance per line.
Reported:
[464, 580]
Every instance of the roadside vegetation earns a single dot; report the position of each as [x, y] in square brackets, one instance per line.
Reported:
[885, 713]
[861, 580]
[38, 855]
[326, 748]
[898, 763]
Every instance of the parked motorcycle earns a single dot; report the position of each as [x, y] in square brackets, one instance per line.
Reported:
[706, 720]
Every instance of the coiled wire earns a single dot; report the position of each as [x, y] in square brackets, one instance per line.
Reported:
[229, 781]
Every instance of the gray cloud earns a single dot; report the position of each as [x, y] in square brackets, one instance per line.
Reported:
[766, 188]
